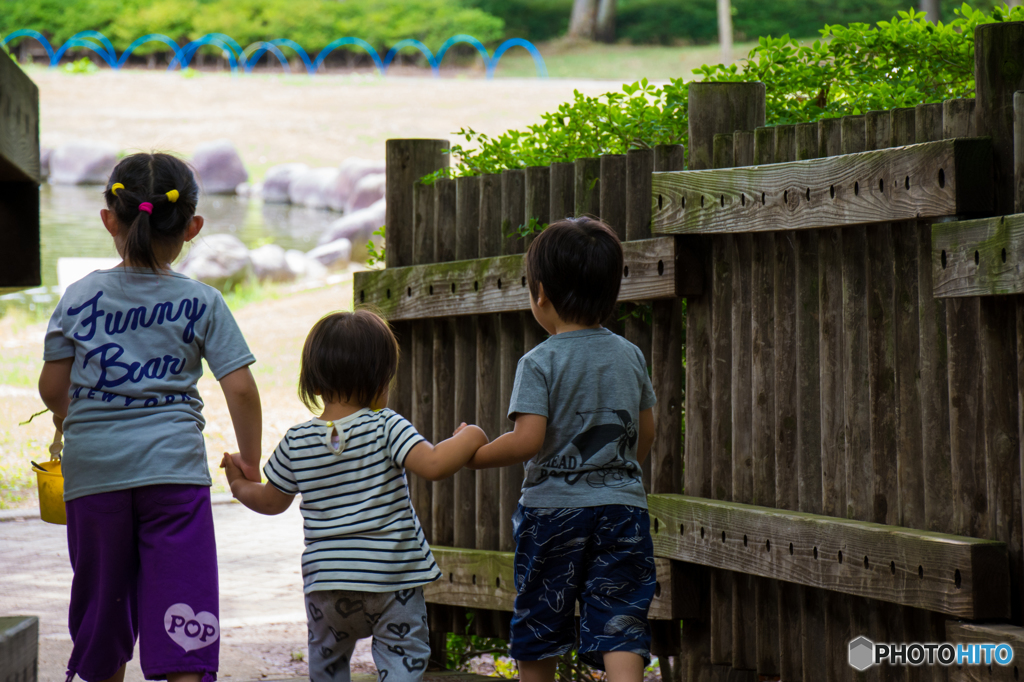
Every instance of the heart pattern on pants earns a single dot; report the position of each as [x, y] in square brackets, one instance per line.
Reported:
[346, 607]
[191, 630]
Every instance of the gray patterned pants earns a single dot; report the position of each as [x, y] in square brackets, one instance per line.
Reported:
[397, 621]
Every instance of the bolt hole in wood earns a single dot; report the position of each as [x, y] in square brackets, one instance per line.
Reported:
[476, 286]
[840, 556]
[657, 589]
[957, 579]
[881, 186]
[453, 287]
[661, 201]
[856, 189]
[977, 259]
[892, 567]
[866, 564]
[808, 194]
[762, 198]
[702, 532]
[722, 200]
[682, 202]
[791, 549]
[744, 540]
[1004, 255]
[430, 290]
[1016, 675]
[785, 197]
[723, 536]
[388, 293]
[767, 545]
[906, 183]
[474, 580]
[682, 529]
[702, 201]
[408, 291]
[497, 582]
[362, 294]
[625, 271]
[815, 553]
[832, 191]
[524, 280]
[943, 258]
[661, 267]
[920, 572]
[499, 282]
[451, 577]
[743, 200]
[657, 525]
[942, 178]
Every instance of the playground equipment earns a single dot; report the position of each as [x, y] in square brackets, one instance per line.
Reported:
[246, 59]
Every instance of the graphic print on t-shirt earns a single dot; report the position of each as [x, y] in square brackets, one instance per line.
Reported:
[600, 430]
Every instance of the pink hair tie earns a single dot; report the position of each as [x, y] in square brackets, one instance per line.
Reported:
[147, 207]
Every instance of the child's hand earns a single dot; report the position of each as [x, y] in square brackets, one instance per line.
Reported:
[474, 433]
[58, 423]
[231, 469]
[253, 474]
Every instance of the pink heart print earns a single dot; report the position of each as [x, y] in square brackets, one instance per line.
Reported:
[191, 630]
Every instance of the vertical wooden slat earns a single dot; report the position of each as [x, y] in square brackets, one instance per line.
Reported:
[587, 187]
[488, 348]
[612, 196]
[762, 306]
[833, 434]
[422, 351]
[998, 75]
[562, 193]
[467, 226]
[443, 492]
[723, 254]
[537, 209]
[787, 488]
[513, 206]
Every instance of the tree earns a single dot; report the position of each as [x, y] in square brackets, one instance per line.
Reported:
[606, 21]
[725, 29]
[593, 20]
[931, 8]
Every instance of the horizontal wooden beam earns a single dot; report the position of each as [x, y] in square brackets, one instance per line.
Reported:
[978, 257]
[482, 579]
[951, 177]
[957, 576]
[981, 633]
[654, 268]
[19, 124]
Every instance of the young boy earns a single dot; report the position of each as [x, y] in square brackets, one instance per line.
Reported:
[583, 424]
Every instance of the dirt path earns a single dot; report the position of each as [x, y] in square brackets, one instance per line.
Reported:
[319, 120]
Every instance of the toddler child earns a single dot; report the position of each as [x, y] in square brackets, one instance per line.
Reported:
[123, 354]
[366, 558]
[581, 404]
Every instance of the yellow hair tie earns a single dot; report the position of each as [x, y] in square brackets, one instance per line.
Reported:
[172, 196]
[116, 186]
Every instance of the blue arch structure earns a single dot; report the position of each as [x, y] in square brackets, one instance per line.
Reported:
[247, 58]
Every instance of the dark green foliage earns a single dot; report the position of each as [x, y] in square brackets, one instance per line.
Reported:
[536, 20]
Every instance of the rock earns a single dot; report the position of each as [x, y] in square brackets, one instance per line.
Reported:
[302, 266]
[368, 191]
[358, 226]
[311, 187]
[279, 179]
[269, 264]
[244, 189]
[350, 172]
[219, 167]
[44, 163]
[220, 260]
[82, 163]
[334, 255]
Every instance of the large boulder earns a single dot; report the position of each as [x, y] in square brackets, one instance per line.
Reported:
[220, 260]
[357, 227]
[82, 163]
[368, 191]
[302, 266]
[219, 167]
[335, 255]
[278, 181]
[310, 188]
[350, 172]
[269, 264]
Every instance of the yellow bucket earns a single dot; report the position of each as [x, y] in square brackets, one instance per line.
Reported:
[51, 492]
[51, 485]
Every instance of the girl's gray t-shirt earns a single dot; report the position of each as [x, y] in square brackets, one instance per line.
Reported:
[138, 339]
[591, 385]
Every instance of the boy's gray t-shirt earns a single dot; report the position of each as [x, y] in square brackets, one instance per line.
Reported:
[138, 339]
[591, 385]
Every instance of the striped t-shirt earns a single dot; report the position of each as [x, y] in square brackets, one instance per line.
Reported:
[361, 531]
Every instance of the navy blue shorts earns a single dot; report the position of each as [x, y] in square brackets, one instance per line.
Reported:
[599, 556]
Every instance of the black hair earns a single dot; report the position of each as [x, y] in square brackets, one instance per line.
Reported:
[148, 178]
[579, 262]
[347, 356]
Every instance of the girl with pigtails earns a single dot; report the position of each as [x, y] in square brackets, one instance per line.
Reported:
[123, 354]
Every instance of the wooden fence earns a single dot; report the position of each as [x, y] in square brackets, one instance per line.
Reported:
[854, 353]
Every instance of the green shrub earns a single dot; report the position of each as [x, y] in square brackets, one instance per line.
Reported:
[898, 63]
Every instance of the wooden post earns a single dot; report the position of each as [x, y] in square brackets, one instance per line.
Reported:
[406, 162]
[537, 209]
[714, 108]
[562, 194]
[833, 396]
[612, 186]
[513, 205]
[762, 305]
[488, 403]
[787, 488]
[467, 226]
[422, 353]
[587, 187]
[998, 74]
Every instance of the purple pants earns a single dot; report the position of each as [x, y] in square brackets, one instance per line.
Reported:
[145, 563]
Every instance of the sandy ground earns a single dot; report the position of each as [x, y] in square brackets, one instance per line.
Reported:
[319, 120]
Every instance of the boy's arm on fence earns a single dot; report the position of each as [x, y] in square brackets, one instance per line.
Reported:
[437, 462]
[516, 446]
[646, 436]
[54, 384]
[262, 498]
[243, 398]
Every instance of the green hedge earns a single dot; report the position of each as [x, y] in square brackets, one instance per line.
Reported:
[311, 23]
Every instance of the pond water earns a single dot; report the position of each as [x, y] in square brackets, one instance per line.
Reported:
[70, 227]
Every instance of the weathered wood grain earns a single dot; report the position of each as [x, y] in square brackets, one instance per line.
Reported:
[612, 197]
[721, 108]
[445, 237]
[926, 564]
[497, 285]
[423, 241]
[587, 187]
[19, 124]
[983, 257]
[407, 161]
[986, 633]
[562, 194]
[538, 199]
[998, 74]
[918, 181]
